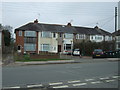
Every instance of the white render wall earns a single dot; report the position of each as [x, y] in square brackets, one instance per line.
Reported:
[51, 41]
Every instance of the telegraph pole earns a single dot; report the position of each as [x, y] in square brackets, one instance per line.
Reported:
[115, 19]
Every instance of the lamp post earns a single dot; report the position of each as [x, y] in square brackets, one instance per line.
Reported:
[71, 48]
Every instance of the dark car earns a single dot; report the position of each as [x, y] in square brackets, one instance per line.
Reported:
[112, 54]
[98, 53]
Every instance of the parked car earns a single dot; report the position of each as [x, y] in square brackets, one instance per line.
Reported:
[76, 52]
[112, 54]
[109, 54]
[98, 53]
[68, 52]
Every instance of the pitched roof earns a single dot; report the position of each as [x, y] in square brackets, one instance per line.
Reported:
[92, 31]
[89, 31]
[117, 33]
[47, 27]
[62, 29]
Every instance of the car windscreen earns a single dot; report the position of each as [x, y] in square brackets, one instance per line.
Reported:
[98, 50]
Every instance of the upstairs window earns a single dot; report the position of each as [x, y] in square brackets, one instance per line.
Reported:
[30, 34]
[91, 37]
[20, 33]
[68, 36]
[54, 35]
[80, 36]
[46, 34]
[118, 38]
[60, 34]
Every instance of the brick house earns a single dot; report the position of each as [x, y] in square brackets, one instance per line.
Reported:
[35, 37]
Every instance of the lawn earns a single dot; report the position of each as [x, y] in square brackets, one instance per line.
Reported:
[30, 60]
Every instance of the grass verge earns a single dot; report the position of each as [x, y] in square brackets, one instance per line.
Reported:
[30, 60]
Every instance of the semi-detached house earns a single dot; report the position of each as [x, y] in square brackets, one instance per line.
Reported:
[37, 37]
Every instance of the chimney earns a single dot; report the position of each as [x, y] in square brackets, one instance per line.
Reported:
[69, 24]
[96, 27]
[36, 21]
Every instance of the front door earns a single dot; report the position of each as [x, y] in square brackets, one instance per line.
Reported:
[59, 48]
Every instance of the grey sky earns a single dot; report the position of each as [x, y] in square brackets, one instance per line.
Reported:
[85, 14]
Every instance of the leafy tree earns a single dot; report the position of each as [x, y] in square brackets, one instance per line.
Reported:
[7, 37]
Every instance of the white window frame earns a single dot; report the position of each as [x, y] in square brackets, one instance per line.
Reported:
[42, 47]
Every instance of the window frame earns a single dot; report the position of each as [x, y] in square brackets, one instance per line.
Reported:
[19, 33]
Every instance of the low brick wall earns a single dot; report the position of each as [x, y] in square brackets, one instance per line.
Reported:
[56, 56]
[36, 56]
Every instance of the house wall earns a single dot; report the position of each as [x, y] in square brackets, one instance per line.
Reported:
[67, 41]
[60, 41]
[117, 42]
[51, 41]
[20, 41]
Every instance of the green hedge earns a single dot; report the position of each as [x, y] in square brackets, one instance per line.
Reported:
[87, 47]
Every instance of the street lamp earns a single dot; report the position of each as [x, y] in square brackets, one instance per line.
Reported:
[71, 48]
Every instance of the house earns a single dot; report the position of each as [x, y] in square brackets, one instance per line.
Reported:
[116, 36]
[92, 34]
[0, 39]
[37, 37]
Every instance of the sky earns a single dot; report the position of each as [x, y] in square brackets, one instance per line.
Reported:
[83, 14]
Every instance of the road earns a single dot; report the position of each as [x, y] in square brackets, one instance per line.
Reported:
[102, 74]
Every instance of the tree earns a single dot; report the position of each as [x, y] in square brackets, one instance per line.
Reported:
[7, 34]
[7, 37]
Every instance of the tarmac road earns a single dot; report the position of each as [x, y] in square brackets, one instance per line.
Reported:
[101, 74]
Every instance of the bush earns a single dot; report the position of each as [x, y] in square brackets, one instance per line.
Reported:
[26, 57]
[87, 47]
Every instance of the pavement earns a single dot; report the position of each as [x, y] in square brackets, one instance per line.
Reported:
[84, 59]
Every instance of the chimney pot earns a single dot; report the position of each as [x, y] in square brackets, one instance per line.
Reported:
[69, 24]
[36, 21]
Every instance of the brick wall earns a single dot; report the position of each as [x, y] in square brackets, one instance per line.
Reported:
[44, 56]
[20, 40]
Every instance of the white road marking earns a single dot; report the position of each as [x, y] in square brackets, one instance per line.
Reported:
[104, 78]
[65, 86]
[96, 82]
[55, 83]
[80, 84]
[11, 87]
[74, 81]
[115, 76]
[39, 85]
[89, 79]
[110, 80]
